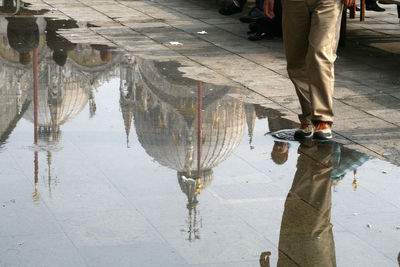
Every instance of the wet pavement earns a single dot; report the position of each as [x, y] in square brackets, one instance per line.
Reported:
[103, 162]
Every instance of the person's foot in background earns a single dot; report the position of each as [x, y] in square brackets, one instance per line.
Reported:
[372, 5]
[235, 7]
[254, 14]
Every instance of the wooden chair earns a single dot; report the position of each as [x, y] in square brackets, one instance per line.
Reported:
[362, 8]
[342, 40]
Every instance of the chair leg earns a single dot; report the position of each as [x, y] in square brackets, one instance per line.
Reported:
[362, 10]
[353, 11]
[343, 26]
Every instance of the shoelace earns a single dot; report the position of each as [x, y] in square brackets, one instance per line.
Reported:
[304, 126]
[322, 125]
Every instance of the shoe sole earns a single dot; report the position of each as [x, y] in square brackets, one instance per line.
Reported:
[227, 12]
[298, 136]
[322, 136]
[250, 20]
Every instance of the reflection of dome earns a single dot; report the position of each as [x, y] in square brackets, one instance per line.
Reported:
[164, 110]
[164, 107]
[88, 56]
[63, 91]
[71, 101]
[166, 81]
[167, 126]
[11, 55]
[61, 97]
[171, 140]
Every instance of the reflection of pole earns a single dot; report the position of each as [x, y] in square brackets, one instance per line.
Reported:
[35, 93]
[36, 172]
[199, 107]
[35, 117]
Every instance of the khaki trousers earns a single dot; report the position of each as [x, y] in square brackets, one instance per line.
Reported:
[311, 35]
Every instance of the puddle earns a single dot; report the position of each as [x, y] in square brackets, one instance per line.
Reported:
[104, 152]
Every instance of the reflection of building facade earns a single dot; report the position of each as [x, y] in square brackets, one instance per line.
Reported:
[163, 106]
[16, 7]
[12, 106]
[64, 89]
[68, 74]
[15, 81]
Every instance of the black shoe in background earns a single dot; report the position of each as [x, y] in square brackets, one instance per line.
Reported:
[252, 28]
[230, 9]
[374, 7]
[254, 14]
[260, 36]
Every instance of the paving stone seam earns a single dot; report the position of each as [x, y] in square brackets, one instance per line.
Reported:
[366, 112]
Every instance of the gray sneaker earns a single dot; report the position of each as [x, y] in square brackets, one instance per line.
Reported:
[305, 131]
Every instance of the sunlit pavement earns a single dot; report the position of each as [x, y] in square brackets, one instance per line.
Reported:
[103, 162]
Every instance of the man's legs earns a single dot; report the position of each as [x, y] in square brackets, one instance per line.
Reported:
[321, 55]
[311, 34]
[296, 28]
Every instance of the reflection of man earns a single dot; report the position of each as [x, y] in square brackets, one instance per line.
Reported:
[275, 120]
[306, 237]
[280, 151]
[23, 36]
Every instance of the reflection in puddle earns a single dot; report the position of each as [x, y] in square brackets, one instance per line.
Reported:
[18, 7]
[306, 237]
[191, 138]
[61, 84]
[167, 125]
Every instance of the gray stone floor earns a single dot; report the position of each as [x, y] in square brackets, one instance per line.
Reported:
[106, 188]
